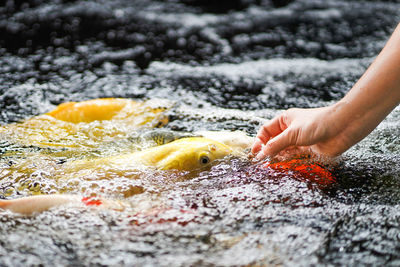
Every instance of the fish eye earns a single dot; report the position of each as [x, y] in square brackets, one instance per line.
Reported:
[204, 160]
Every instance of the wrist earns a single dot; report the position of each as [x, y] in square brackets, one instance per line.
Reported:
[354, 119]
[339, 116]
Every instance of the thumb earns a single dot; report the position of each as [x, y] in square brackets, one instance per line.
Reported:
[278, 143]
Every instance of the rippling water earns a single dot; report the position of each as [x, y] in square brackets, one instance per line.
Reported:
[225, 67]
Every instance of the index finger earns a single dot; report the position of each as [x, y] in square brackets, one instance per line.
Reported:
[267, 131]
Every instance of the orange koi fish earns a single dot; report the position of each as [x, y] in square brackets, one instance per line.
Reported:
[306, 171]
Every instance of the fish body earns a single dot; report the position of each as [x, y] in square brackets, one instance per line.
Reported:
[103, 109]
[91, 110]
[40, 203]
[28, 205]
[239, 141]
[158, 136]
[304, 170]
[75, 125]
[100, 120]
[183, 154]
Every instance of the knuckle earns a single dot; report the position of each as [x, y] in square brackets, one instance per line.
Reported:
[264, 132]
[285, 118]
[294, 136]
[270, 144]
[261, 138]
[264, 127]
[291, 135]
[286, 113]
[291, 112]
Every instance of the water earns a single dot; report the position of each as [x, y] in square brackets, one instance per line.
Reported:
[224, 67]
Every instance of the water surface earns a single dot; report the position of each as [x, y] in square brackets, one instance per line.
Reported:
[226, 67]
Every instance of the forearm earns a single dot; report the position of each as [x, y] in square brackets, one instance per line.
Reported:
[332, 130]
[376, 93]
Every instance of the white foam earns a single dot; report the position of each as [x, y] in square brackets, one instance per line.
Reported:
[259, 69]
[186, 19]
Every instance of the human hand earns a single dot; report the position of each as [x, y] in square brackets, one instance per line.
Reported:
[311, 131]
[332, 130]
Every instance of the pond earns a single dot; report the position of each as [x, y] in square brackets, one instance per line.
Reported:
[226, 66]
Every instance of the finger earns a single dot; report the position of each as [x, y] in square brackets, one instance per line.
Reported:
[256, 147]
[267, 131]
[262, 138]
[271, 128]
[278, 143]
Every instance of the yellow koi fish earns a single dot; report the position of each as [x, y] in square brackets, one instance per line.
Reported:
[183, 154]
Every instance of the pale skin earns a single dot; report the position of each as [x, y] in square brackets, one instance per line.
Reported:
[330, 131]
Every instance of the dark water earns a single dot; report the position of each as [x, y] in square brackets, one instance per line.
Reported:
[227, 66]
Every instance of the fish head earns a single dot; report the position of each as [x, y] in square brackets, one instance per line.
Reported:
[189, 153]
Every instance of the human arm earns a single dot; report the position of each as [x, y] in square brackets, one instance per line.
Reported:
[332, 130]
